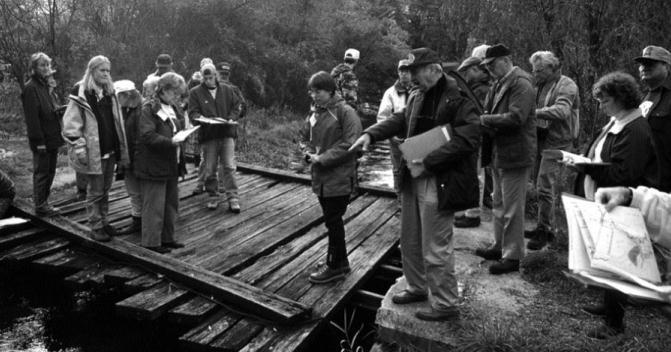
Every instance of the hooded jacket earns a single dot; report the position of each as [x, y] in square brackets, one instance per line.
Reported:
[80, 130]
[42, 123]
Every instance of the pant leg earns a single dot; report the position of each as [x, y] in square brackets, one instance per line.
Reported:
[511, 215]
[333, 209]
[488, 188]
[614, 302]
[200, 183]
[98, 194]
[153, 211]
[549, 177]
[133, 189]
[437, 246]
[44, 170]
[411, 239]
[497, 208]
[82, 182]
[396, 157]
[210, 160]
[228, 168]
[170, 211]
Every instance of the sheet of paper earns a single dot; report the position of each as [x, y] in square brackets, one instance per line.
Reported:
[183, 134]
[13, 221]
[215, 120]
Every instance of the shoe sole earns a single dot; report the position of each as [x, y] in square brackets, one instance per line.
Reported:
[330, 279]
[409, 302]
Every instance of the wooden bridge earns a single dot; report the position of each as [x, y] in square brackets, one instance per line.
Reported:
[241, 282]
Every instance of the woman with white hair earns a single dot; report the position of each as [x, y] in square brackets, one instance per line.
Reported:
[44, 128]
[159, 162]
[93, 127]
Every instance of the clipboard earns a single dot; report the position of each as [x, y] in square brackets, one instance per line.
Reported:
[419, 146]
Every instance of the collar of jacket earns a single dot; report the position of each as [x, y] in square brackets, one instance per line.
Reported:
[335, 100]
[555, 78]
[401, 88]
[39, 80]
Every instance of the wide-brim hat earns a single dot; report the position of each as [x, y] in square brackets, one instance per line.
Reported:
[495, 52]
[471, 61]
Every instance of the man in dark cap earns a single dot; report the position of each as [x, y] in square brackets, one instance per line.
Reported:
[654, 69]
[163, 65]
[449, 184]
[478, 80]
[510, 123]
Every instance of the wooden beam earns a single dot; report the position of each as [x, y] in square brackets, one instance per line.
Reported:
[305, 179]
[225, 289]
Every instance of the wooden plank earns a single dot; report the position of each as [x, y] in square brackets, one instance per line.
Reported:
[192, 311]
[305, 179]
[92, 275]
[152, 303]
[367, 299]
[237, 337]
[32, 250]
[19, 237]
[68, 260]
[142, 282]
[203, 334]
[205, 282]
[119, 276]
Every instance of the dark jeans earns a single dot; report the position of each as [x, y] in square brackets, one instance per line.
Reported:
[334, 208]
[44, 170]
[487, 189]
[614, 302]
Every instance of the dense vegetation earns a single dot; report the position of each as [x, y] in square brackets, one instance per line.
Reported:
[275, 45]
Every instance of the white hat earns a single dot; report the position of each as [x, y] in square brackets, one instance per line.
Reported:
[208, 66]
[479, 51]
[124, 85]
[206, 61]
[352, 54]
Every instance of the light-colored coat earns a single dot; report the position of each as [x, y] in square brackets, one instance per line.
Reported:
[80, 129]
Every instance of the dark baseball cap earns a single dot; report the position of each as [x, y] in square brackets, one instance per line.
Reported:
[223, 66]
[164, 60]
[494, 52]
[422, 56]
[655, 53]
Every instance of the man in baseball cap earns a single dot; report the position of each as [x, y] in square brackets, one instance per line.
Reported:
[163, 64]
[428, 201]
[654, 69]
[347, 84]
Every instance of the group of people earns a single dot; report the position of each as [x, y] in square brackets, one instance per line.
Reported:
[111, 128]
[499, 126]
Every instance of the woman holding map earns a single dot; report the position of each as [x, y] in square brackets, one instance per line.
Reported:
[622, 154]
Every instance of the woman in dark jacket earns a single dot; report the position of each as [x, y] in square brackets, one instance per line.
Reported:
[44, 131]
[157, 163]
[330, 129]
[625, 145]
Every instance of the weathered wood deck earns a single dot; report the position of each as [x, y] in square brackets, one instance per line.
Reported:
[273, 245]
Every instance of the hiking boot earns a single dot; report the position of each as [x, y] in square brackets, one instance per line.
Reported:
[595, 309]
[326, 274]
[542, 238]
[467, 221]
[438, 314]
[234, 205]
[159, 249]
[173, 245]
[405, 297]
[47, 211]
[488, 253]
[604, 332]
[99, 235]
[504, 266]
[110, 230]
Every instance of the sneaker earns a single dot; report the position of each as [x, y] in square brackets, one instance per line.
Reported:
[110, 230]
[504, 266]
[212, 205]
[99, 235]
[47, 211]
[234, 205]
[467, 221]
[405, 297]
[173, 245]
[159, 249]
[326, 274]
[604, 332]
[438, 314]
[488, 253]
